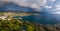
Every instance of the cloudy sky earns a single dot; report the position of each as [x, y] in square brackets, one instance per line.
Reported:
[31, 3]
[52, 6]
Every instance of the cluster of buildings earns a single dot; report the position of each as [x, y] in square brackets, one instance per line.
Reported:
[4, 18]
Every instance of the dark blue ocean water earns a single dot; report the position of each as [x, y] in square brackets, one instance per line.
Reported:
[42, 18]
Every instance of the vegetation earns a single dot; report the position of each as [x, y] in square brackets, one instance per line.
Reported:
[15, 25]
[20, 25]
[11, 25]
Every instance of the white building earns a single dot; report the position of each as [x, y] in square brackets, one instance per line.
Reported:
[3, 17]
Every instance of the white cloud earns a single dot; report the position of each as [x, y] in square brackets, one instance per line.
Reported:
[56, 12]
[57, 6]
[48, 7]
[34, 5]
[53, 0]
[41, 2]
[57, 9]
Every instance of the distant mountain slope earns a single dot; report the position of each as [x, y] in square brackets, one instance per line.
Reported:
[15, 8]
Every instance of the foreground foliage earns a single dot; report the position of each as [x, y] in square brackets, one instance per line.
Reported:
[20, 25]
[15, 25]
